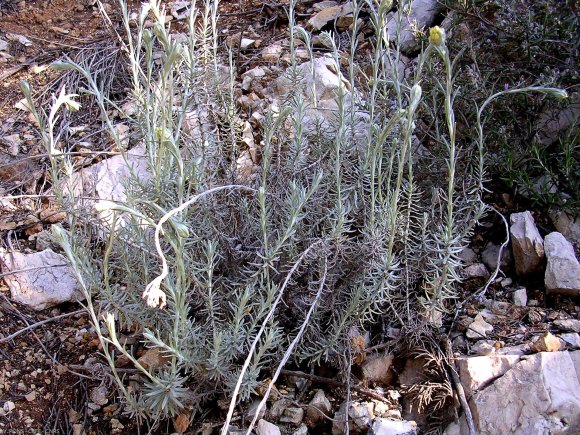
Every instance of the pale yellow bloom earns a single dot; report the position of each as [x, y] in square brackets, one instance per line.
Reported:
[437, 36]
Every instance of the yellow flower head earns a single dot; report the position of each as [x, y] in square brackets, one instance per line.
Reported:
[437, 36]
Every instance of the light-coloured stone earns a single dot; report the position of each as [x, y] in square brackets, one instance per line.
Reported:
[266, 428]
[360, 416]
[321, 84]
[483, 347]
[318, 408]
[3, 45]
[563, 271]
[106, 180]
[572, 340]
[322, 79]
[8, 407]
[19, 38]
[570, 325]
[453, 429]
[575, 357]
[478, 328]
[538, 395]
[547, 343]
[246, 83]
[256, 72]
[247, 43]
[292, 416]
[12, 142]
[423, 13]
[278, 408]
[381, 408]
[45, 281]
[328, 15]
[377, 369]
[520, 349]
[477, 372]
[324, 4]
[520, 297]
[567, 225]
[387, 426]
[253, 408]
[477, 270]
[527, 243]
[506, 282]
[272, 53]
[302, 430]
[116, 426]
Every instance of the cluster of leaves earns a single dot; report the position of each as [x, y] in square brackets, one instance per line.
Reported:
[512, 43]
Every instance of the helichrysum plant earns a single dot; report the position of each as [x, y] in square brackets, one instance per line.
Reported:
[227, 276]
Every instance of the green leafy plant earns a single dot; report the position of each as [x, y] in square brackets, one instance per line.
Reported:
[228, 275]
[515, 44]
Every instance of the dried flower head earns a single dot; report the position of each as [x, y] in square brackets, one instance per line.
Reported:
[153, 295]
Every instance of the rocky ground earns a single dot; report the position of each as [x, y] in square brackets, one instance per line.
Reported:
[514, 342]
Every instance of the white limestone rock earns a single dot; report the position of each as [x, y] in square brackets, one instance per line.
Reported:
[322, 82]
[292, 416]
[318, 408]
[328, 15]
[106, 181]
[302, 430]
[538, 395]
[360, 415]
[563, 271]
[272, 53]
[44, 282]
[477, 270]
[572, 340]
[520, 297]
[266, 428]
[527, 243]
[478, 328]
[377, 369]
[477, 372]
[387, 426]
[569, 325]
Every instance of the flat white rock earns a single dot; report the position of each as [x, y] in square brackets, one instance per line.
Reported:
[538, 395]
[45, 281]
[563, 271]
